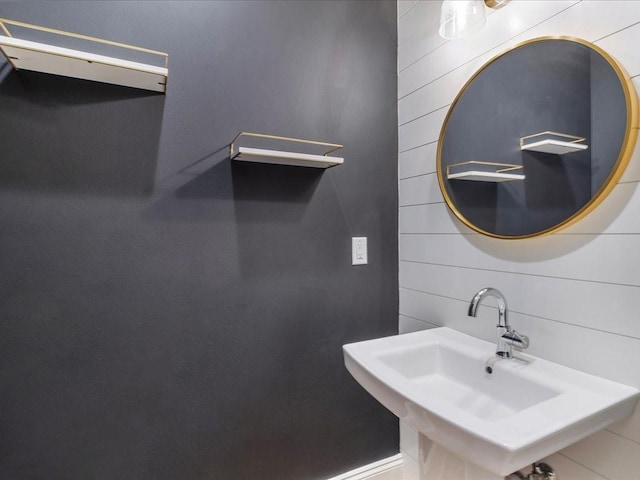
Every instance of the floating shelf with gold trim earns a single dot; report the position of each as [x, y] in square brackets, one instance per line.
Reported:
[284, 157]
[479, 171]
[553, 142]
[46, 58]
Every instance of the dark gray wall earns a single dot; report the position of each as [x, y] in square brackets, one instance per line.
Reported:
[165, 314]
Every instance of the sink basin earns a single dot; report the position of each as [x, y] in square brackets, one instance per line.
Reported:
[528, 408]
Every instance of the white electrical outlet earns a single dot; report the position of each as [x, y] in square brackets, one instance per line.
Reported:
[358, 250]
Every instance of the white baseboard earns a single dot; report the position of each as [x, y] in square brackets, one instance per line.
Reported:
[386, 469]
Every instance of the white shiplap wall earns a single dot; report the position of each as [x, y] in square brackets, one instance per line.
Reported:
[575, 293]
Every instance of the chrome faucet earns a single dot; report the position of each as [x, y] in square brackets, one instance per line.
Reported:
[506, 337]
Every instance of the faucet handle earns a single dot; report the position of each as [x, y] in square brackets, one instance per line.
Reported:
[516, 339]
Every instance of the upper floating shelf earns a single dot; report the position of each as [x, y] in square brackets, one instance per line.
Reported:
[42, 57]
[484, 171]
[553, 142]
[281, 157]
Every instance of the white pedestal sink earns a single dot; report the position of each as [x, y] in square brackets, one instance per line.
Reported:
[528, 408]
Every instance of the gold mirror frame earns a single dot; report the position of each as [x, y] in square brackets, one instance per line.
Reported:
[626, 151]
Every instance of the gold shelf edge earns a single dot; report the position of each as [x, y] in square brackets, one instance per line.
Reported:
[4, 22]
[575, 138]
[508, 167]
[335, 146]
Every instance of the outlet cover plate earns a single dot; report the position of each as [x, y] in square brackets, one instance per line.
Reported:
[359, 251]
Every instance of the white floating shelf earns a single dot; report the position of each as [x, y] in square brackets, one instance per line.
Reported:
[557, 147]
[551, 142]
[477, 171]
[45, 58]
[260, 155]
[478, 176]
[281, 157]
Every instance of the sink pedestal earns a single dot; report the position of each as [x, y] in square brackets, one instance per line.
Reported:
[438, 463]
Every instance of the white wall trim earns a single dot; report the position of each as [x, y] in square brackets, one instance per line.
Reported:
[385, 469]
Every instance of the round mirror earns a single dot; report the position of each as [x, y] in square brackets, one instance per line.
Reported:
[537, 138]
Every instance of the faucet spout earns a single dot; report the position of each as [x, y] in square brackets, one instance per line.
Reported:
[502, 305]
[503, 348]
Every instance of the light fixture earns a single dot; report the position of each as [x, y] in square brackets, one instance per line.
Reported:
[459, 18]
[496, 4]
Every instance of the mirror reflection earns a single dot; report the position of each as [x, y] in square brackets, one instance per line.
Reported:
[536, 138]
